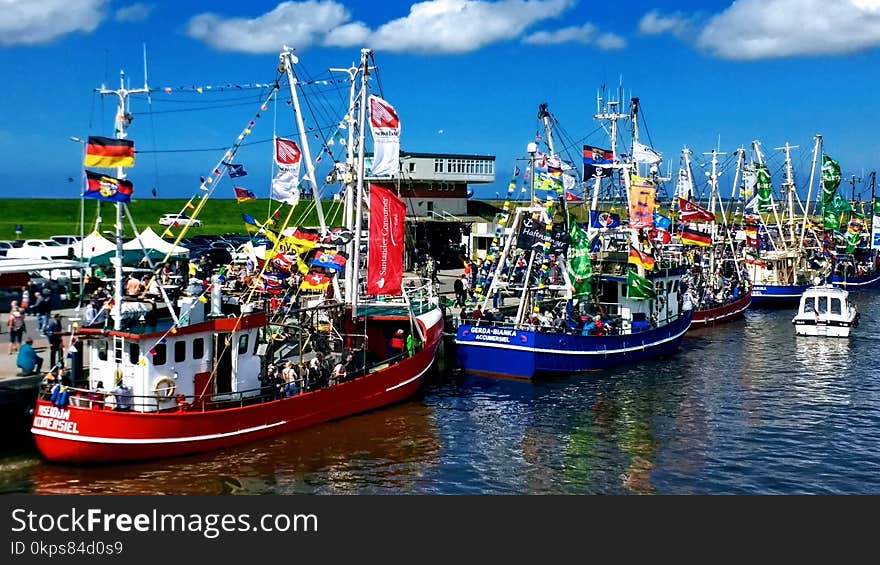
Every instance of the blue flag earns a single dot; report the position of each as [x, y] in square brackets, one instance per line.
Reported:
[600, 219]
[236, 170]
[661, 222]
[249, 220]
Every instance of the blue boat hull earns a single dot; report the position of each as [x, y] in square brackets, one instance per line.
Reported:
[856, 283]
[525, 354]
[765, 295]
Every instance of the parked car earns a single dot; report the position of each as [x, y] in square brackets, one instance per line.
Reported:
[65, 239]
[177, 220]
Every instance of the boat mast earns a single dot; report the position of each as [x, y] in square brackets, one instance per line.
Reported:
[756, 145]
[713, 182]
[817, 148]
[351, 173]
[611, 114]
[352, 292]
[740, 156]
[121, 123]
[288, 59]
[789, 187]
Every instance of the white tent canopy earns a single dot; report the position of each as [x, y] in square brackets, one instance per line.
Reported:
[150, 240]
[93, 245]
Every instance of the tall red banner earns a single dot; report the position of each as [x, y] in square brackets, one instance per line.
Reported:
[385, 259]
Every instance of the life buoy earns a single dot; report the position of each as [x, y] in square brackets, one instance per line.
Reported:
[164, 388]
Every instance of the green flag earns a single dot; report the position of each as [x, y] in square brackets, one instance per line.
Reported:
[639, 288]
[833, 212]
[579, 263]
[877, 206]
[830, 178]
[762, 173]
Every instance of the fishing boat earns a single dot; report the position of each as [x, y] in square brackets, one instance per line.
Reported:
[716, 282]
[779, 263]
[196, 374]
[598, 301]
[825, 311]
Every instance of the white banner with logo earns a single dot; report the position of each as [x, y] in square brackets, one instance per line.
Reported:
[385, 125]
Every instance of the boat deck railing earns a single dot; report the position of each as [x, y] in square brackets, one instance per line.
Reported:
[85, 398]
[613, 325]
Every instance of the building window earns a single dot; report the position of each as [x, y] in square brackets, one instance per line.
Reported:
[179, 351]
[198, 348]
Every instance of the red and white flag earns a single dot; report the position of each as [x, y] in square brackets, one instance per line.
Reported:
[285, 185]
[385, 259]
[385, 125]
[691, 212]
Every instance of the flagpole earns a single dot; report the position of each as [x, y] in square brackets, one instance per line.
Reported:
[123, 119]
[289, 58]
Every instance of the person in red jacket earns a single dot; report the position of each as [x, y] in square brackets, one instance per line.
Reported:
[397, 344]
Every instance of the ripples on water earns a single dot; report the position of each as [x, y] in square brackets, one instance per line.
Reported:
[745, 408]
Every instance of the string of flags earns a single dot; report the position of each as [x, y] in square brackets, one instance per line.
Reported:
[209, 88]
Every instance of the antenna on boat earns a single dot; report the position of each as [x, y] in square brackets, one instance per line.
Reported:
[121, 124]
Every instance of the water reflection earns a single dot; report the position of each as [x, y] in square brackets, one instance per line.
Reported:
[743, 408]
[385, 450]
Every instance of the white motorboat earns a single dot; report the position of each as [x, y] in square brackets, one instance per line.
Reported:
[825, 311]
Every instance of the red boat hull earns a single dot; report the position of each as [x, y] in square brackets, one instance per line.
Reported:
[83, 435]
[722, 314]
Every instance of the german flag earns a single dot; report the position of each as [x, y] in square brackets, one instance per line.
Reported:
[108, 189]
[108, 152]
[640, 259]
[695, 237]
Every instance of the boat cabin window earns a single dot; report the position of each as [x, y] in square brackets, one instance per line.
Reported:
[134, 353]
[836, 306]
[242, 344]
[821, 306]
[198, 348]
[102, 350]
[159, 355]
[809, 304]
[180, 351]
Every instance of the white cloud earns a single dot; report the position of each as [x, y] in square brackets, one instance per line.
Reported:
[28, 22]
[609, 41]
[579, 34]
[137, 12]
[347, 35]
[766, 29]
[433, 27]
[653, 23]
[461, 26]
[588, 34]
[297, 24]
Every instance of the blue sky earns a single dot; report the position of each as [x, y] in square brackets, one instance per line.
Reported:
[466, 76]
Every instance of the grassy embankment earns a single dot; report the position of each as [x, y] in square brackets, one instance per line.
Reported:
[42, 218]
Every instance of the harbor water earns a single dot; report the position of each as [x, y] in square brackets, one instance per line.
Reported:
[744, 408]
